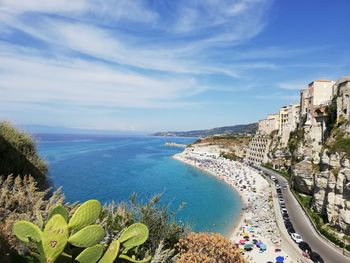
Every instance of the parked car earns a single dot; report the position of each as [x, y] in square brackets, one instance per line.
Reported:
[304, 246]
[285, 216]
[284, 210]
[284, 187]
[296, 237]
[316, 258]
[290, 229]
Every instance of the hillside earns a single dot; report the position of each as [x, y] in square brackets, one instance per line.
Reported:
[236, 129]
[18, 154]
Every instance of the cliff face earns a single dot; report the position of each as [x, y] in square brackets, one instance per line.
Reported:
[321, 169]
[332, 190]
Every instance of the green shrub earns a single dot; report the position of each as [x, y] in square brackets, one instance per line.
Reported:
[16, 149]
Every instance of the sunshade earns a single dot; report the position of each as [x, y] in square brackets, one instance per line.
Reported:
[280, 259]
[248, 246]
[262, 246]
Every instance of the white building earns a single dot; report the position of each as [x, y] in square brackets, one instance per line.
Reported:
[289, 121]
[269, 125]
[258, 149]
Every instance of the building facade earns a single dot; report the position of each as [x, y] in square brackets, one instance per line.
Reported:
[320, 94]
[258, 149]
[269, 125]
[342, 89]
[289, 121]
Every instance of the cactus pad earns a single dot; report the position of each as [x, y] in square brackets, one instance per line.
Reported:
[90, 254]
[85, 215]
[134, 235]
[135, 260]
[87, 236]
[27, 231]
[54, 238]
[60, 210]
[111, 252]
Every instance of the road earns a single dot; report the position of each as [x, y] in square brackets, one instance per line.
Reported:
[304, 227]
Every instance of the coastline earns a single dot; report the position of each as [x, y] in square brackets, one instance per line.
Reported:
[239, 221]
[257, 208]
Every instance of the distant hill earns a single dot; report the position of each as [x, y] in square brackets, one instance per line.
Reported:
[236, 129]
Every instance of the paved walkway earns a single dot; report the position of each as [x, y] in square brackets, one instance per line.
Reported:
[304, 227]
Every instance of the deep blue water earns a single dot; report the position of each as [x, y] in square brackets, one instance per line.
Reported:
[112, 168]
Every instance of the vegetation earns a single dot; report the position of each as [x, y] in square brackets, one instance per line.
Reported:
[78, 239]
[340, 144]
[295, 138]
[20, 200]
[18, 153]
[207, 248]
[230, 155]
[331, 118]
[282, 172]
[319, 222]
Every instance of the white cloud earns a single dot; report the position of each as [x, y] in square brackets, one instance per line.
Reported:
[81, 83]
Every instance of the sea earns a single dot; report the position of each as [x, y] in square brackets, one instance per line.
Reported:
[112, 168]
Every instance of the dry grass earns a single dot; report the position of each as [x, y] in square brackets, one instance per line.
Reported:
[20, 200]
[208, 248]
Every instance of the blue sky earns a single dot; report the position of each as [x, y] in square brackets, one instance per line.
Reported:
[164, 65]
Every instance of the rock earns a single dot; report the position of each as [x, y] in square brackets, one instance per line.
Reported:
[303, 177]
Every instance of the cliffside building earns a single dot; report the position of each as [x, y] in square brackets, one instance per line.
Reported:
[289, 121]
[342, 93]
[319, 94]
[268, 125]
[258, 149]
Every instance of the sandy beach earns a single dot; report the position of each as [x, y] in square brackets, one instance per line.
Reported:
[256, 234]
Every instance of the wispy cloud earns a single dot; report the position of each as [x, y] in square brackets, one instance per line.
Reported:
[83, 83]
[293, 85]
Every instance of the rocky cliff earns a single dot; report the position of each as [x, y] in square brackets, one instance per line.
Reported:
[321, 169]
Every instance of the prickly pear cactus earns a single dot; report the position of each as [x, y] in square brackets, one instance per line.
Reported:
[132, 259]
[55, 237]
[90, 254]
[134, 235]
[59, 210]
[27, 231]
[85, 215]
[111, 253]
[88, 236]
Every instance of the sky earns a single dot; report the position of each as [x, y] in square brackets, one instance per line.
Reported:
[158, 65]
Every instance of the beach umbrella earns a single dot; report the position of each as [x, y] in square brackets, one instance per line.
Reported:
[248, 246]
[242, 241]
[280, 259]
[245, 234]
[262, 246]
[258, 244]
[252, 229]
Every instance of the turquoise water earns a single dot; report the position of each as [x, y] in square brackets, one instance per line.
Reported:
[112, 168]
